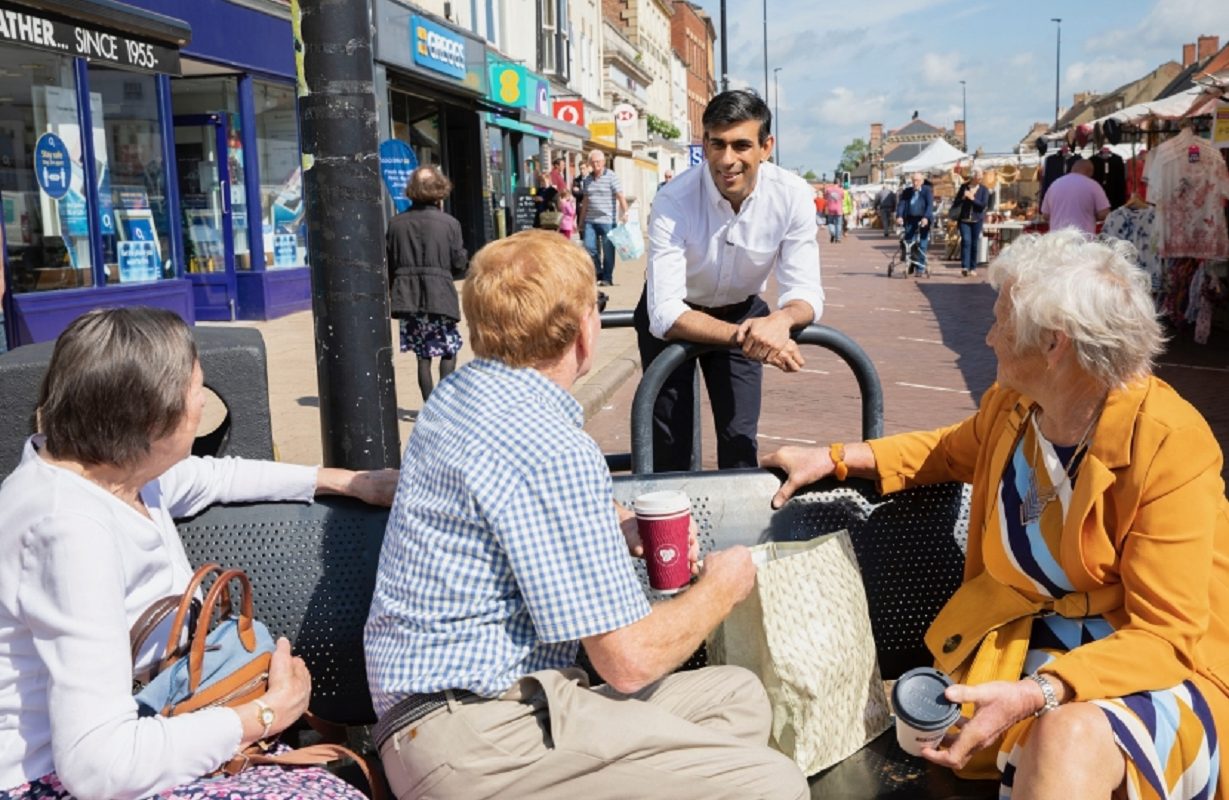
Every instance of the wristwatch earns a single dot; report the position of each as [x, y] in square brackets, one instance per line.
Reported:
[1047, 691]
[266, 716]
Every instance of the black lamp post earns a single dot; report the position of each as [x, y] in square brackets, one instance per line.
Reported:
[964, 116]
[1058, 60]
[776, 112]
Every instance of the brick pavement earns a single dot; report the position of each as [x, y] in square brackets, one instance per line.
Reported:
[926, 338]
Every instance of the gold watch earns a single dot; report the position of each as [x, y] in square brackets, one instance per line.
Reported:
[265, 715]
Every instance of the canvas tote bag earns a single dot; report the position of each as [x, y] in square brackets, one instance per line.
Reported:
[805, 630]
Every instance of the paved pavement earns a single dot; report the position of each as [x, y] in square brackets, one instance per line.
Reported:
[925, 337]
[294, 394]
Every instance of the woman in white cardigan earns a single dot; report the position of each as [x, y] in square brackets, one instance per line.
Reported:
[87, 542]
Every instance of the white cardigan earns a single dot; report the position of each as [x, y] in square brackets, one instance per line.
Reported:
[77, 567]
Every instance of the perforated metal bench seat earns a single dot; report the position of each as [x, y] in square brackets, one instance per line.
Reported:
[313, 569]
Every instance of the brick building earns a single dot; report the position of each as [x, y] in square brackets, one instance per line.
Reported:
[692, 37]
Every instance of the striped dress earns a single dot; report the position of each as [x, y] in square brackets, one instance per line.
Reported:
[1168, 736]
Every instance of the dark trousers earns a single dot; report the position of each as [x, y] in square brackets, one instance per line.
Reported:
[733, 383]
[970, 235]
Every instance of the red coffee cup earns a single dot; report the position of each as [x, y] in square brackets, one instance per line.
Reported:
[664, 522]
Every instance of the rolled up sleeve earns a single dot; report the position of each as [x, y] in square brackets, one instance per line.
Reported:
[666, 278]
[798, 267]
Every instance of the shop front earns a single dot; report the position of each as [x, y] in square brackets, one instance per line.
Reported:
[84, 182]
[234, 148]
[434, 78]
[521, 135]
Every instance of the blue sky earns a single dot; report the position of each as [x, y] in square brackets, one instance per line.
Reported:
[846, 65]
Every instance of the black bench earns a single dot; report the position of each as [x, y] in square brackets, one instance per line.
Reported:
[313, 569]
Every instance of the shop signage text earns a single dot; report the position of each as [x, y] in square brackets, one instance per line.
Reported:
[437, 48]
[625, 116]
[22, 27]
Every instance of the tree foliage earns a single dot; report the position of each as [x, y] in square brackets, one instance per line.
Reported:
[853, 155]
[810, 175]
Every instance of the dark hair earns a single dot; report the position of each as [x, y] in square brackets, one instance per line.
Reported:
[738, 105]
[558, 160]
[117, 382]
[427, 185]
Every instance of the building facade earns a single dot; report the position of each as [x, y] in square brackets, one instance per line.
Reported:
[692, 36]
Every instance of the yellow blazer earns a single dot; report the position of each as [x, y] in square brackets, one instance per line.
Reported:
[1148, 527]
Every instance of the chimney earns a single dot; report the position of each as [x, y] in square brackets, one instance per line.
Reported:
[1188, 55]
[958, 130]
[1208, 45]
[876, 136]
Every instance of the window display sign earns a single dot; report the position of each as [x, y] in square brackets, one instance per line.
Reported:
[437, 48]
[285, 250]
[52, 165]
[397, 162]
[1220, 126]
[19, 26]
[138, 261]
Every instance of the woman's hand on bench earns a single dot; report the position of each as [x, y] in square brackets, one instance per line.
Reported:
[806, 465]
[375, 486]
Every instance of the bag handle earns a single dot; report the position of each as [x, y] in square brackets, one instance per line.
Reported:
[181, 614]
[312, 755]
[247, 634]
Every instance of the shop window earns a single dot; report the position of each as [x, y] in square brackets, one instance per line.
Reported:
[210, 164]
[133, 213]
[46, 215]
[283, 221]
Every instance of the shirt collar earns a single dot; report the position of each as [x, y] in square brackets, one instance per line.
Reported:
[539, 384]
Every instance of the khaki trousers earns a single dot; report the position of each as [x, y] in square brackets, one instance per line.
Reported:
[698, 734]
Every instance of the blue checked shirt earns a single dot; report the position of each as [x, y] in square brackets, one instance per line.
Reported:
[503, 547]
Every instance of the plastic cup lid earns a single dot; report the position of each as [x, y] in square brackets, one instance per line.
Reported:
[663, 502]
[917, 699]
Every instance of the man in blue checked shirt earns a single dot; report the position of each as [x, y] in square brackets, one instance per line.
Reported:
[505, 550]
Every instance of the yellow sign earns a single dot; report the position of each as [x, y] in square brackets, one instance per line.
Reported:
[603, 132]
[1220, 126]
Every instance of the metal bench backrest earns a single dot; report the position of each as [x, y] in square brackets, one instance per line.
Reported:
[313, 572]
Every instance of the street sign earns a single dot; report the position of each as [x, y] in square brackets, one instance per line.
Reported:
[695, 155]
[625, 116]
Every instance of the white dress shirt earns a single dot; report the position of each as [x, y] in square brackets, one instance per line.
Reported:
[77, 567]
[701, 252]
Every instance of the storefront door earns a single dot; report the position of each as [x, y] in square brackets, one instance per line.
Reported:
[205, 198]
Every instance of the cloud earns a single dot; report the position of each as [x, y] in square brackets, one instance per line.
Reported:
[848, 109]
[1104, 74]
[1168, 22]
[941, 68]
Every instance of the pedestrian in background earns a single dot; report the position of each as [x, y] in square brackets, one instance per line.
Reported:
[834, 210]
[603, 206]
[849, 208]
[914, 211]
[567, 206]
[425, 255]
[885, 201]
[971, 201]
[1076, 200]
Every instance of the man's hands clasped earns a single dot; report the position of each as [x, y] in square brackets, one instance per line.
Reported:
[767, 340]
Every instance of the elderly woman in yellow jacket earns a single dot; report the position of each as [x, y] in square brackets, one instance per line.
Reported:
[1091, 633]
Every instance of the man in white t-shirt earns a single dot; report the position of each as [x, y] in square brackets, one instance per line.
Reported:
[1075, 200]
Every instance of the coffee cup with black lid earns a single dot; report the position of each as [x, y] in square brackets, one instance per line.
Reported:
[923, 712]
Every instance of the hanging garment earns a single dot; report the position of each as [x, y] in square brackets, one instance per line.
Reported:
[1056, 166]
[1189, 182]
[1138, 226]
[1109, 170]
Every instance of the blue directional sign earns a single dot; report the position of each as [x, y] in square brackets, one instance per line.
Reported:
[52, 165]
[695, 155]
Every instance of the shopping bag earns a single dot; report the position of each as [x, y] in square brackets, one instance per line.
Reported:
[628, 240]
[806, 631]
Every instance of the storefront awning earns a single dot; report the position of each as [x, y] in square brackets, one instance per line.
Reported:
[103, 31]
[513, 124]
[554, 125]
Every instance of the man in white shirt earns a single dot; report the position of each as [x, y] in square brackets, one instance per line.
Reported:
[715, 235]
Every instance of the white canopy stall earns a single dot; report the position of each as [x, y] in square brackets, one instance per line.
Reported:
[936, 154]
